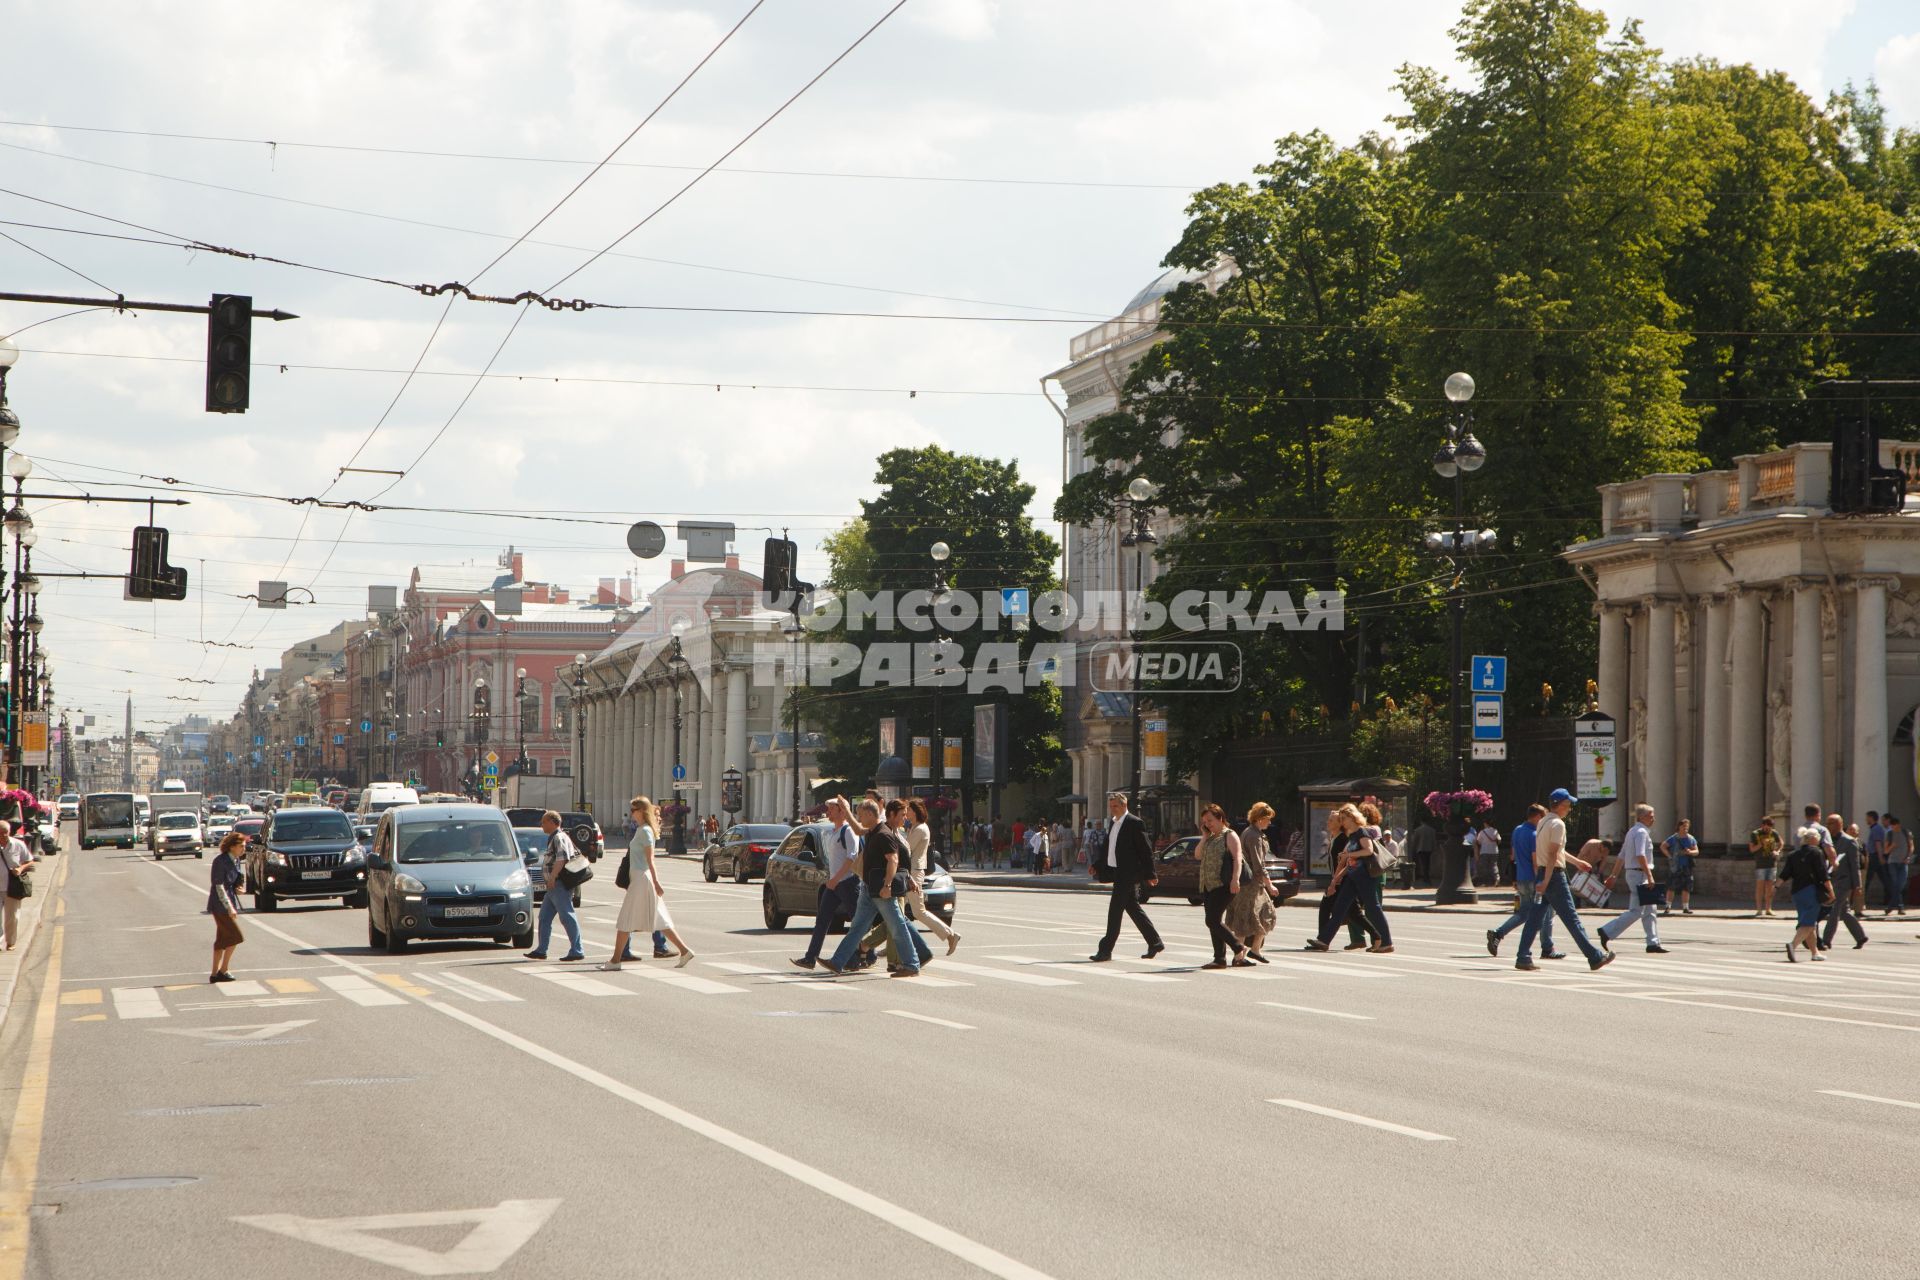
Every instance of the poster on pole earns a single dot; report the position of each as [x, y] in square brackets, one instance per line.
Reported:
[922, 758]
[1595, 746]
[1153, 744]
[950, 760]
[33, 738]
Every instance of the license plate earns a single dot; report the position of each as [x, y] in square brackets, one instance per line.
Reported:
[315, 875]
[465, 911]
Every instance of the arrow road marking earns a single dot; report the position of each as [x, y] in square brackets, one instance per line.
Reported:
[245, 1031]
[498, 1233]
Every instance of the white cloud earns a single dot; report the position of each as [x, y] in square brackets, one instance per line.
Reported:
[1897, 69]
[1784, 35]
[959, 19]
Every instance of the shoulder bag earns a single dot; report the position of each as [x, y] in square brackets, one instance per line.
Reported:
[18, 886]
[576, 872]
[623, 878]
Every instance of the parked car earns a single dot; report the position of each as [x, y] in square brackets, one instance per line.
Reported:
[741, 851]
[176, 833]
[305, 854]
[533, 848]
[1179, 872]
[797, 868]
[447, 871]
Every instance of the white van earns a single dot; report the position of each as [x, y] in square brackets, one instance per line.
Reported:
[378, 797]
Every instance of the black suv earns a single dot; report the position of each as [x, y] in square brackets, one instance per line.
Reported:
[306, 852]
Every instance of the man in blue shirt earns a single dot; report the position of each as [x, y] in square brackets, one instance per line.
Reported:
[1525, 884]
[1681, 850]
[1876, 851]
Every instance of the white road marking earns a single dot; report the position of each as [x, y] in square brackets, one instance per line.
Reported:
[360, 991]
[1332, 969]
[1007, 975]
[138, 1002]
[685, 981]
[497, 1234]
[1089, 966]
[152, 928]
[464, 986]
[1368, 1121]
[1867, 1097]
[1331, 1013]
[248, 990]
[244, 1031]
[921, 1017]
[580, 982]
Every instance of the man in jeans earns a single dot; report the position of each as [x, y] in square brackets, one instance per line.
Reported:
[840, 896]
[880, 861]
[1898, 852]
[559, 898]
[1524, 888]
[1636, 859]
[1551, 859]
[1875, 838]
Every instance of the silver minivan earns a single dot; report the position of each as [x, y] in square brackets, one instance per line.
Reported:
[447, 871]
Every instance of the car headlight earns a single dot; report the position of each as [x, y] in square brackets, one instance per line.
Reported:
[519, 880]
[407, 884]
[353, 856]
[276, 858]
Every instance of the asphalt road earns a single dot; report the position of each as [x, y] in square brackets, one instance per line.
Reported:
[1020, 1112]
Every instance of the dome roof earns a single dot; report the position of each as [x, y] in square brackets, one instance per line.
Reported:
[1163, 284]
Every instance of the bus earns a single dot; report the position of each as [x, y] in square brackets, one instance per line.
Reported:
[107, 817]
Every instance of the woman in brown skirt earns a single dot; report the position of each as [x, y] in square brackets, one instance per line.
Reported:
[224, 907]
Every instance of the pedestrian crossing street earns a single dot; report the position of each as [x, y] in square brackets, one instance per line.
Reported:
[1724, 968]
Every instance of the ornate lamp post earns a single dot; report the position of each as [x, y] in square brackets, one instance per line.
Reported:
[481, 713]
[520, 715]
[677, 664]
[796, 637]
[939, 552]
[579, 705]
[1138, 513]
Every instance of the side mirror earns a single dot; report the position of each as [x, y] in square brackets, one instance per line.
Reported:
[376, 863]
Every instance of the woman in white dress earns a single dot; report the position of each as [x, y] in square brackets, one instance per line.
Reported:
[643, 911]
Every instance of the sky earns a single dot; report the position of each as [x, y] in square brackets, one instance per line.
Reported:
[1005, 158]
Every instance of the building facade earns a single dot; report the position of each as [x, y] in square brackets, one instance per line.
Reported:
[1758, 651]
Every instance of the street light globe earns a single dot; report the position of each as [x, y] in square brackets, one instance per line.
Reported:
[29, 584]
[1446, 462]
[679, 627]
[9, 427]
[19, 466]
[1470, 453]
[940, 551]
[579, 659]
[28, 536]
[1459, 387]
[33, 624]
[1140, 489]
[521, 674]
[9, 354]
[479, 683]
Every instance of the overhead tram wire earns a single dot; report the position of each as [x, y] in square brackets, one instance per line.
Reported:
[71, 270]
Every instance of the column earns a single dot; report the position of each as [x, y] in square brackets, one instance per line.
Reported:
[1711, 825]
[1746, 721]
[1870, 696]
[620, 747]
[736, 741]
[714, 762]
[1656, 772]
[1616, 700]
[640, 778]
[1807, 761]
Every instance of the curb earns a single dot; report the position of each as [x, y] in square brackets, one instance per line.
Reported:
[30, 918]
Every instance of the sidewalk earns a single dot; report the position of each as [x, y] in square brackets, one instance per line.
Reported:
[47, 879]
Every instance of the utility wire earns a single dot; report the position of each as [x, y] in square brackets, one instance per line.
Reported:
[72, 270]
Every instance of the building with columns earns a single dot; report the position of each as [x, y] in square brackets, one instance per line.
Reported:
[1758, 651]
[727, 719]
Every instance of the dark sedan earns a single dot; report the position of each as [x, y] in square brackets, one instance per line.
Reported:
[1179, 872]
[741, 851]
[797, 868]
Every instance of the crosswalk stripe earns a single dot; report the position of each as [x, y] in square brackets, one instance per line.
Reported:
[1332, 969]
[580, 982]
[292, 986]
[1868, 1097]
[1330, 1013]
[686, 981]
[242, 990]
[138, 1002]
[467, 987]
[1008, 975]
[921, 1017]
[400, 983]
[757, 971]
[359, 990]
[88, 995]
[1089, 967]
[1368, 1121]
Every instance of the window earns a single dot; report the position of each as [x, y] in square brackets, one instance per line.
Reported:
[530, 710]
[562, 710]
[563, 768]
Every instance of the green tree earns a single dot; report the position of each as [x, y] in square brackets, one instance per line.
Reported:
[978, 506]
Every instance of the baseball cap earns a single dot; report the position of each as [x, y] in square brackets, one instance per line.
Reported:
[1561, 795]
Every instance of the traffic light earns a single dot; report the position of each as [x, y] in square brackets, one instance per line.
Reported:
[151, 577]
[229, 352]
[779, 589]
[1472, 542]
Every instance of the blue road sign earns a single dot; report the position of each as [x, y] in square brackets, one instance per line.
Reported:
[259, 740]
[393, 735]
[679, 773]
[366, 726]
[1489, 673]
[339, 739]
[1013, 602]
[1489, 717]
[300, 741]
[490, 770]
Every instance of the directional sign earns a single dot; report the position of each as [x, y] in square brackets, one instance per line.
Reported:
[497, 1234]
[300, 741]
[259, 740]
[366, 726]
[1489, 720]
[1489, 673]
[1489, 751]
[393, 735]
[679, 773]
[684, 785]
[339, 739]
[490, 770]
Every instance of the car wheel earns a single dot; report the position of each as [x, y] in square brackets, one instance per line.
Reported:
[355, 899]
[264, 901]
[375, 938]
[199, 853]
[707, 870]
[396, 943]
[774, 916]
[740, 875]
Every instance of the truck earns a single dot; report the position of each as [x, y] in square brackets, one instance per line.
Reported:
[106, 817]
[536, 791]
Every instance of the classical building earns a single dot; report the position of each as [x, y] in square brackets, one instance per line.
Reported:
[727, 719]
[1098, 733]
[1758, 651]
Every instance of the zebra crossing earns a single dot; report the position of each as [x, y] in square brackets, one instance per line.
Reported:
[1723, 972]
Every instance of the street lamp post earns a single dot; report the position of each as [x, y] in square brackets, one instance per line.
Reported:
[796, 635]
[520, 715]
[19, 467]
[1139, 535]
[937, 763]
[480, 716]
[579, 705]
[1459, 456]
[677, 664]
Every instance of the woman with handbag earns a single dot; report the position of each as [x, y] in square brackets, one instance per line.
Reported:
[642, 911]
[1353, 884]
[1250, 916]
[224, 907]
[20, 863]
[1219, 856]
[1805, 870]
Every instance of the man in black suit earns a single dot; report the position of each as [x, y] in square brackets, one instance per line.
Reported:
[1126, 863]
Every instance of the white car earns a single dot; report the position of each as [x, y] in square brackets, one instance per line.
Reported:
[176, 832]
[218, 827]
[69, 809]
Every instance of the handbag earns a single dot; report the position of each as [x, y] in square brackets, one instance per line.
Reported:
[18, 886]
[623, 878]
[1653, 895]
[1826, 892]
[576, 872]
